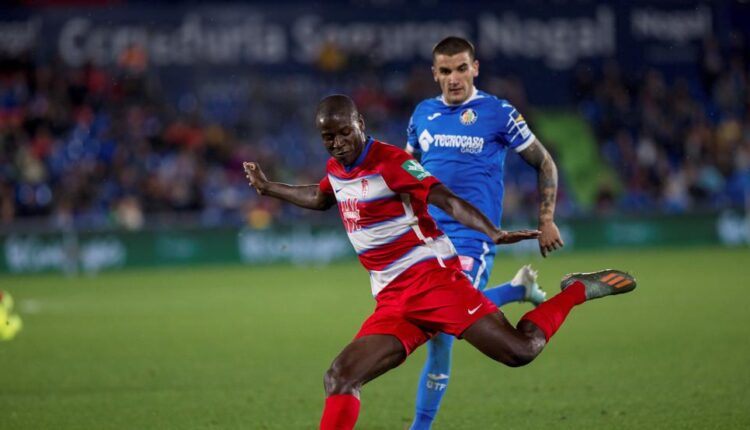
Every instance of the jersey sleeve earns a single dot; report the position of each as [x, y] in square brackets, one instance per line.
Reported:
[325, 185]
[513, 128]
[404, 174]
[412, 145]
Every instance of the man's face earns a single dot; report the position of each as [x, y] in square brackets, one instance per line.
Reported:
[455, 74]
[343, 136]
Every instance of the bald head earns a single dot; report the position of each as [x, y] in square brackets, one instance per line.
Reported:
[338, 106]
[341, 127]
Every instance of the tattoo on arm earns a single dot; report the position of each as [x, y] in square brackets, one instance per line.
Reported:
[538, 157]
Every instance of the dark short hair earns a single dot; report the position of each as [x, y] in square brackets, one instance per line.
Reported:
[453, 45]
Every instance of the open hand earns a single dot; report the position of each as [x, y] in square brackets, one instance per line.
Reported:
[550, 239]
[503, 237]
[255, 176]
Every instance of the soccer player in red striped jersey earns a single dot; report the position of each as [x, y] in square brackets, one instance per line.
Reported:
[382, 195]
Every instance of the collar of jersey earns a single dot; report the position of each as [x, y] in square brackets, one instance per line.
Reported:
[361, 157]
[474, 95]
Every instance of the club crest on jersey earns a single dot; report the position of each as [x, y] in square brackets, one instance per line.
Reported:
[365, 187]
[468, 117]
[350, 215]
[415, 169]
[467, 263]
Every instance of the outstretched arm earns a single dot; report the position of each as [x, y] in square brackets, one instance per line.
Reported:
[468, 215]
[305, 196]
[538, 157]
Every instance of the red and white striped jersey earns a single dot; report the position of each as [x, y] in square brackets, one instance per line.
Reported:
[382, 199]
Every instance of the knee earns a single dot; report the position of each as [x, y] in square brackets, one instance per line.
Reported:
[522, 354]
[337, 380]
[518, 359]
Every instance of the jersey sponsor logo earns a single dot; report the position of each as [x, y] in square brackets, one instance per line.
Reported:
[365, 187]
[415, 169]
[350, 215]
[425, 139]
[474, 310]
[433, 116]
[468, 117]
[468, 144]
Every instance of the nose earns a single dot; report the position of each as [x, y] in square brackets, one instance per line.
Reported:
[338, 141]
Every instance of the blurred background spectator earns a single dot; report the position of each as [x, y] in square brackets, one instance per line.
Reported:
[96, 146]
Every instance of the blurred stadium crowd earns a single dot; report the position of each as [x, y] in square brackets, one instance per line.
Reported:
[678, 145]
[99, 147]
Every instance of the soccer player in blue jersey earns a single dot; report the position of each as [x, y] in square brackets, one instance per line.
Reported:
[462, 137]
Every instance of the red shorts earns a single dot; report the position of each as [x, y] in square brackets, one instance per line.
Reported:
[424, 300]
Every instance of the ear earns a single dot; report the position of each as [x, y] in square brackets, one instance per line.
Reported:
[361, 122]
[434, 73]
[476, 68]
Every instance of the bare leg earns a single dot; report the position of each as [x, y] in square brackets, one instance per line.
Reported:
[498, 339]
[361, 361]
[495, 337]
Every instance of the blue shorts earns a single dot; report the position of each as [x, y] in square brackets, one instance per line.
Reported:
[477, 258]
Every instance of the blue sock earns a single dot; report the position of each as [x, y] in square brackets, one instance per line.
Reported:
[434, 380]
[505, 293]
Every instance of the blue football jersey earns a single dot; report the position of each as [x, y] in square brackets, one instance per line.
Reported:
[464, 146]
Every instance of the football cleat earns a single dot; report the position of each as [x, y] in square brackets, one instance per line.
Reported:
[602, 283]
[526, 277]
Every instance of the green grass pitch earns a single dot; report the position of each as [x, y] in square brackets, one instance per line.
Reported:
[246, 348]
